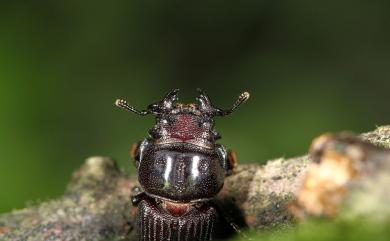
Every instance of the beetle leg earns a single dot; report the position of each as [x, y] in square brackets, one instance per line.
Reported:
[229, 159]
[137, 195]
[134, 153]
[232, 159]
[227, 217]
[236, 228]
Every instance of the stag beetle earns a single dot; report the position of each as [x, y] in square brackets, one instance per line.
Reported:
[180, 168]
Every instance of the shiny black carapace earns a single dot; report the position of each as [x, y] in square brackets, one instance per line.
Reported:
[180, 169]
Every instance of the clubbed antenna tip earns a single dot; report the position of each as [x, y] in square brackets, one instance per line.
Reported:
[207, 107]
[124, 105]
[120, 103]
[244, 96]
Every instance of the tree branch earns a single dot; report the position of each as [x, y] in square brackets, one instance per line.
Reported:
[96, 204]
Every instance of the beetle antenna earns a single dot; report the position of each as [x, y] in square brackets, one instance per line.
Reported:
[243, 97]
[124, 105]
[156, 108]
[208, 108]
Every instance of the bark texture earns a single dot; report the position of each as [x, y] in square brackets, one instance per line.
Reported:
[345, 176]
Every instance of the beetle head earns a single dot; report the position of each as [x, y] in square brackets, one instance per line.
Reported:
[168, 106]
[190, 123]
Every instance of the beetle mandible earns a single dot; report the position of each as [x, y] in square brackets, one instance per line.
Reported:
[180, 168]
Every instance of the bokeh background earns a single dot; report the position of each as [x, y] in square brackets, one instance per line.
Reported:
[310, 66]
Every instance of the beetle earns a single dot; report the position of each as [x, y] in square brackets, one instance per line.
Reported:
[180, 168]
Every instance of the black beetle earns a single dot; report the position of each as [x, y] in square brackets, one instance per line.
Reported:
[180, 169]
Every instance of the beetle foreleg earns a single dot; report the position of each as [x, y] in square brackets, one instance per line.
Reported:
[134, 153]
[137, 196]
[232, 159]
[228, 158]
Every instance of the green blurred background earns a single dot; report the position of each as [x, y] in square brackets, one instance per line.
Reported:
[310, 66]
